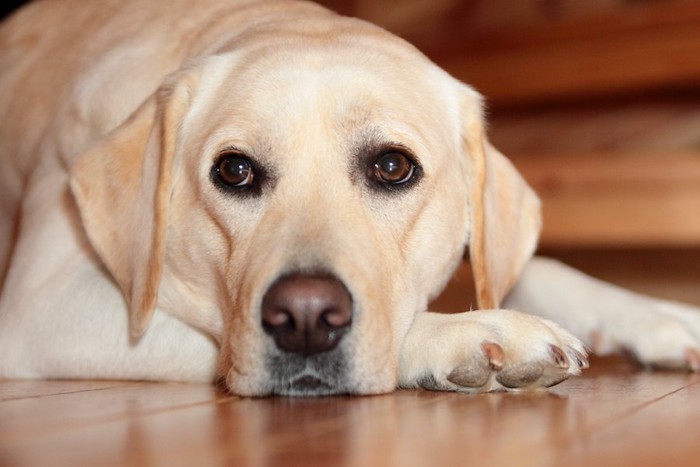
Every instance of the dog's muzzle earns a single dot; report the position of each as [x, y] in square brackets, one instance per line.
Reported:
[307, 317]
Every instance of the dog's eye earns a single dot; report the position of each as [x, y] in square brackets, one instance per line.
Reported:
[394, 168]
[235, 170]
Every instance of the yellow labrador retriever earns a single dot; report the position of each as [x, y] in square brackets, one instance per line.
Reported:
[270, 194]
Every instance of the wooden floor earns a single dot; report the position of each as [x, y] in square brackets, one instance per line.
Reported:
[614, 415]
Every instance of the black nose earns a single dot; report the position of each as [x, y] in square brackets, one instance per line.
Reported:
[307, 314]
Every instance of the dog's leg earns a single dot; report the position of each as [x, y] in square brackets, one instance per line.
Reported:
[609, 318]
[61, 316]
[488, 350]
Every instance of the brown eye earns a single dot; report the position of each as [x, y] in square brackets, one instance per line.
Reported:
[235, 170]
[394, 168]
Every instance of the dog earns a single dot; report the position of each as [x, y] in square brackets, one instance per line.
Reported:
[268, 194]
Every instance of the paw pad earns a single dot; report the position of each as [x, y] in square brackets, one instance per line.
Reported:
[470, 376]
[477, 373]
[520, 376]
[491, 351]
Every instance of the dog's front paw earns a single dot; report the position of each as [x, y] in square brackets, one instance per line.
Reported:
[491, 350]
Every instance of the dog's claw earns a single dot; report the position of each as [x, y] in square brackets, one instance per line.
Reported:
[581, 358]
[692, 357]
[559, 356]
[494, 353]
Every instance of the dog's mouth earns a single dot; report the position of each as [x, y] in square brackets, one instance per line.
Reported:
[317, 375]
[309, 384]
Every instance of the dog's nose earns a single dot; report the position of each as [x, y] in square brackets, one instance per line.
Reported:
[307, 314]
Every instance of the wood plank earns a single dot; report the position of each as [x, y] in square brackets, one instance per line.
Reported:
[86, 403]
[660, 432]
[646, 125]
[625, 52]
[404, 428]
[13, 390]
[616, 199]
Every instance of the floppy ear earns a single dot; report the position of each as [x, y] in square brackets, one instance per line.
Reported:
[122, 186]
[505, 212]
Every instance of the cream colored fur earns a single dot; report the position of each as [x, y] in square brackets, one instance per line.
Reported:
[121, 259]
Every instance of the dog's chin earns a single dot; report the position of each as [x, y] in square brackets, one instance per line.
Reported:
[308, 385]
[316, 375]
[330, 373]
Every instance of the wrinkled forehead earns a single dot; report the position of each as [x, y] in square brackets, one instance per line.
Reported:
[327, 87]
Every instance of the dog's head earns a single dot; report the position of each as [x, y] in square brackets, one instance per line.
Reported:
[300, 196]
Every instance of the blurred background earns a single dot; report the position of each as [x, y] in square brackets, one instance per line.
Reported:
[597, 103]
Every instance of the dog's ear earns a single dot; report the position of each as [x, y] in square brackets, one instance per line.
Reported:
[505, 211]
[122, 187]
